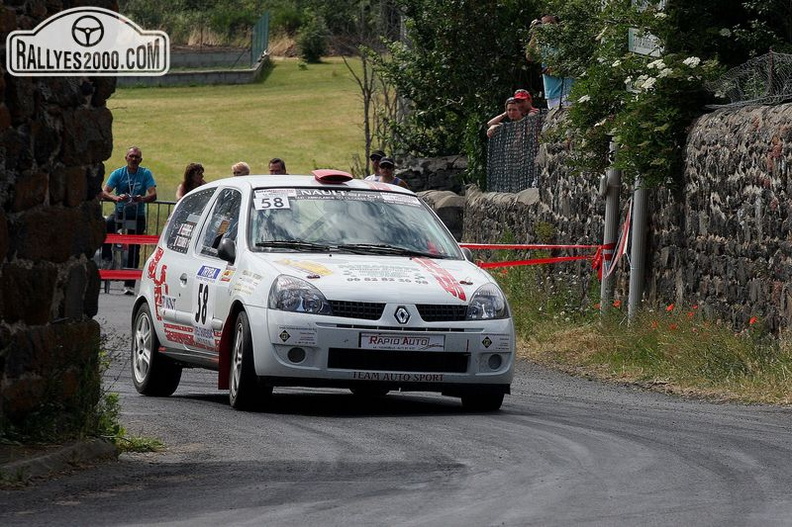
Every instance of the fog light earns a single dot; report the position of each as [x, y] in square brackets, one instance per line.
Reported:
[495, 362]
[296, 355]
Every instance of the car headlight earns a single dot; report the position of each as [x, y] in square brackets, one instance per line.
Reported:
[487, 303]
[292, 294]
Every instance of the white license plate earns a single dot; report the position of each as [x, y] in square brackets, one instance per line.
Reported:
[389, 341]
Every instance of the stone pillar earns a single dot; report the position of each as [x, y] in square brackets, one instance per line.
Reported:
[55, 133]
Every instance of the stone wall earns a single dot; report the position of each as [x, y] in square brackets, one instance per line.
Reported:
[437, 173]
[724, 243]
[55, 132]
[733, 250]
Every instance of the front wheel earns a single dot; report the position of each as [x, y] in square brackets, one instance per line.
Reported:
[246, 392]
[153, 373]
[482, 401]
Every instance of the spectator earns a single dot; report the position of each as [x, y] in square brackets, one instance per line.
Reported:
[277, 167]
[240, 169]
[386, 167]
[193, 178]
[513, 113]
[556, 89]
[134, 186]
[375, 157]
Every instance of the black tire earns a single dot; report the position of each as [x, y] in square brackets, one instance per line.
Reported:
[245, 389]
[369, 392]
[153, 373]
[482, 401]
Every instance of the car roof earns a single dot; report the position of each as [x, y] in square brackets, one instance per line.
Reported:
[311, 181]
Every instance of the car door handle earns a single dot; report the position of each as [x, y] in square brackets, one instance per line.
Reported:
[183, 278]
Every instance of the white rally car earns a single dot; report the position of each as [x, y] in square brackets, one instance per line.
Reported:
[319, 280]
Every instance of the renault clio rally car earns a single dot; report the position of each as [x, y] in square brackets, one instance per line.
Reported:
[320, 280]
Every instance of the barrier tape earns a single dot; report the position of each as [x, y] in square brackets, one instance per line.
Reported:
[127, 239]
[603, 252]
[120, 274]
[133, 239]
[534, 261]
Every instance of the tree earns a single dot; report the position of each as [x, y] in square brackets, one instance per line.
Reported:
[365, 39]
[733, 31]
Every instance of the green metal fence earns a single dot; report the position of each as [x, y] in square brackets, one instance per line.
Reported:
[260, 38]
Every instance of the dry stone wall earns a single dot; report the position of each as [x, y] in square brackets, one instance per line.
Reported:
[55, 132]
[736, 237]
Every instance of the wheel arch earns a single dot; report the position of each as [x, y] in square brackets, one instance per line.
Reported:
[226, 343]
[135, 307]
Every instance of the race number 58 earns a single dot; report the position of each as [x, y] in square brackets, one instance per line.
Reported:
[265, 200]
[276, 202]
[203, 302]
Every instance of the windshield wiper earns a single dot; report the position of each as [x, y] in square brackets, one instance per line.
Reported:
[382, 248]
[293, 244]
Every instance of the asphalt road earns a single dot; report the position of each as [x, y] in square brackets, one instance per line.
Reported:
[563, 451]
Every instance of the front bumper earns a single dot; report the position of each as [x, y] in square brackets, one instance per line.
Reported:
[312, 350]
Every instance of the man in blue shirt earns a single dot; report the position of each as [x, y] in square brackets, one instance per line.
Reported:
[130, 187]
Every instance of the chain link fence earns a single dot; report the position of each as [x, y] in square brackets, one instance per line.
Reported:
[762, 80]
[511, 155]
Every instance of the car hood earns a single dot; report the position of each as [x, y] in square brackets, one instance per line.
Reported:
[382, 278]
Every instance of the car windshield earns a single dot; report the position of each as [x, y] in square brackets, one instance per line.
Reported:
[341, 220]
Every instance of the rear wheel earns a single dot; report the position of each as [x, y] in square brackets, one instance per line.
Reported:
[153, 373]
[246, 392]
[482, 401]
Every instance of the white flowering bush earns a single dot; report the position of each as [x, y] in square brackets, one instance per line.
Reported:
[651, 124]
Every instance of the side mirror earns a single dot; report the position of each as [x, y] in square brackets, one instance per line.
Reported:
[227, 250]
[468, 254]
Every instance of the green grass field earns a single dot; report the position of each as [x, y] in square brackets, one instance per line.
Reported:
[310, 117]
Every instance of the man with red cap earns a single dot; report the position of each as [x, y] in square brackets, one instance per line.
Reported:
[526, 102]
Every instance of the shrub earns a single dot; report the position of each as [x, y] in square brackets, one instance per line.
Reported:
[312, 39]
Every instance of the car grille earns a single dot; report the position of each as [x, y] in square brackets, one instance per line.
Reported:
[373, 311]
[386, 360]
[364, 310]
[442, 312]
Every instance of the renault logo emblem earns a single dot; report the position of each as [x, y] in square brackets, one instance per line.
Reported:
[402, 315]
